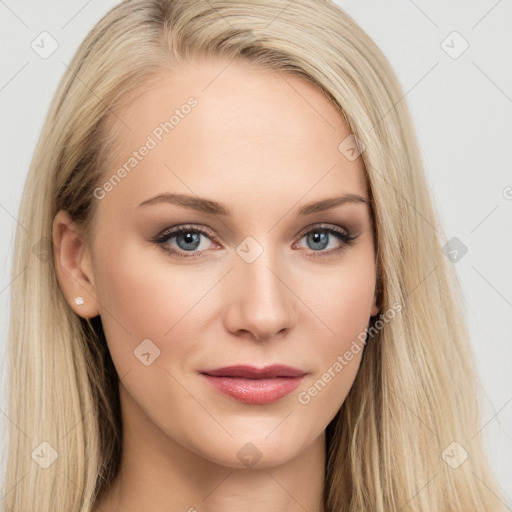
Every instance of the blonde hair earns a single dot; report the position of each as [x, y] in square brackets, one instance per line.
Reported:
[416, 391]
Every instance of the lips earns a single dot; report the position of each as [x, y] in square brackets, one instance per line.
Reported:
[253, 385]
[250, 372]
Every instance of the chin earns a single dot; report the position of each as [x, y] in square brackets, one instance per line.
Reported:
[258, 451]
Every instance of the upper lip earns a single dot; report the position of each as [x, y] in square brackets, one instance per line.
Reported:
[251, 372]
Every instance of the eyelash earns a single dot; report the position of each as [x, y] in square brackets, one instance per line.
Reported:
[164, 237]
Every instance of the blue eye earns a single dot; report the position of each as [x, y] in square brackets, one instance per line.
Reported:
[319, 237]
[187, 240]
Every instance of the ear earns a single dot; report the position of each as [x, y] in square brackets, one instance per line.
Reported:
[73, 265]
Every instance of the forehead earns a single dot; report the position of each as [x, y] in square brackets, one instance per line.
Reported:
[231, 131]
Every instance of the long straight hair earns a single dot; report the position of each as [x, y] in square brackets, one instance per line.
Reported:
[415, 398]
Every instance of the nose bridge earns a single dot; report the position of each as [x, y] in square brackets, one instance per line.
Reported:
[261, 302]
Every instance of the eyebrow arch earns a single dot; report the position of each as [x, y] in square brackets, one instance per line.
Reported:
[215, 208]
[332, 202]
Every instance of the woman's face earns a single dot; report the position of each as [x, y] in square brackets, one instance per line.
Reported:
[250, 281]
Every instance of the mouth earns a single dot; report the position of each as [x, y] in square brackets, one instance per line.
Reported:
[253, 385]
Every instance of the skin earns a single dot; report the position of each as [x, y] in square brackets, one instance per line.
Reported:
[264, 144]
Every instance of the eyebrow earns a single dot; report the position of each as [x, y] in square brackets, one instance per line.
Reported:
[215, 208]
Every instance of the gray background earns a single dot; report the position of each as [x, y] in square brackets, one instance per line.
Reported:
[462, 110]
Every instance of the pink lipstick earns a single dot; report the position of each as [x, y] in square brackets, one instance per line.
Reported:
[255, 385]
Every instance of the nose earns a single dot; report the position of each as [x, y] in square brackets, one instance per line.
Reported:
[259, 300]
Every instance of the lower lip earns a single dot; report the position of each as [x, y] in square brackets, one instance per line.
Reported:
[255, 391]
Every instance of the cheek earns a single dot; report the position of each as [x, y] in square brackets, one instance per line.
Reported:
[343, 305]
[144, 297]
[343, 298]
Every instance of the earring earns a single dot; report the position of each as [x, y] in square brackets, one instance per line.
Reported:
[79, 301]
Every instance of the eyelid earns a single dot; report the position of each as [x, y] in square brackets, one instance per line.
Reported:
[346, 238]
[322, 225]
[183, 227]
